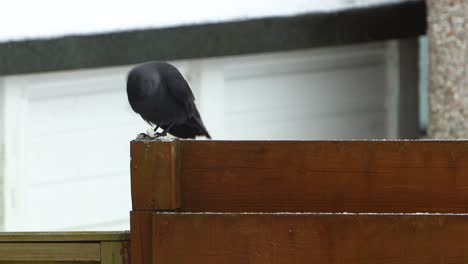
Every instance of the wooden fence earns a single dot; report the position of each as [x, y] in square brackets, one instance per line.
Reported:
[299, 202]
[64, 248]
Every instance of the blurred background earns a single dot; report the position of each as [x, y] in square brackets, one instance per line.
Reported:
[266, 70]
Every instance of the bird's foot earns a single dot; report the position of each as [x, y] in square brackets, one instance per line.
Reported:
[161, 134]
[151, 133]
[143, 136]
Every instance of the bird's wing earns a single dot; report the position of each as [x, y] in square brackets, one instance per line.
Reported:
[179, 88]
[147, 121]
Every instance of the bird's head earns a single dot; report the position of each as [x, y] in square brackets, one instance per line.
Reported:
[141, 82]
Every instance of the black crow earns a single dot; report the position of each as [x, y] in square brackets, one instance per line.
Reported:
[160, 94]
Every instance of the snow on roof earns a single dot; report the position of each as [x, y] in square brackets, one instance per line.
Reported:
[23, 19]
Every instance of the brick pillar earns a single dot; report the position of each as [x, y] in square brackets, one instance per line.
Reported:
[448, 43]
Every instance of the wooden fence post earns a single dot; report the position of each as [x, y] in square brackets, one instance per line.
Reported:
[154, 175]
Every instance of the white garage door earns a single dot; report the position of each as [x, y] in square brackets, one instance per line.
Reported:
[332, 93]
[66, 135]
[67, 162]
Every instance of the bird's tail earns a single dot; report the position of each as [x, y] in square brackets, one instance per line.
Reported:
[201, 127]
[190, 129]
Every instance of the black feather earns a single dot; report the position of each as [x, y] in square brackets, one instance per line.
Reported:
[160, 94]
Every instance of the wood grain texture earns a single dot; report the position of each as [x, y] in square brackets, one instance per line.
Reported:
[154, 179]
[306, 238]
[50, 252]
[140, 240]
[114, 253]
[328, 176]
[298, 176]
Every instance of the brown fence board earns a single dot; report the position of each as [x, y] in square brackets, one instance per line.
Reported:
[140, 237]
[50, 252]
[331, 176]
[64, 247]
[309, 238]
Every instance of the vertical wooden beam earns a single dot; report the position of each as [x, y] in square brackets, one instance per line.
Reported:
[140, 237]
[448, 95]
[114, 252]
[154, 175]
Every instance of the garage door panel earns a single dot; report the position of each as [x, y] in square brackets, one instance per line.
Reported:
[320, 90]
[83, 153]
[77, 203]
[369, 125]
[60, 115]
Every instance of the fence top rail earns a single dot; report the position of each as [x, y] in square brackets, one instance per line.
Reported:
[382, 176]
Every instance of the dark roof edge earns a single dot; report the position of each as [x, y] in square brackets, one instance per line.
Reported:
[403, 20]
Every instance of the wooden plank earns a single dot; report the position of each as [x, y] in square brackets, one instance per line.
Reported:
[328, 176]
[309, 238]
[353, 176]
[50, 251]
[63, 236]
[141, 243]
[154, 179]
[114, 253]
